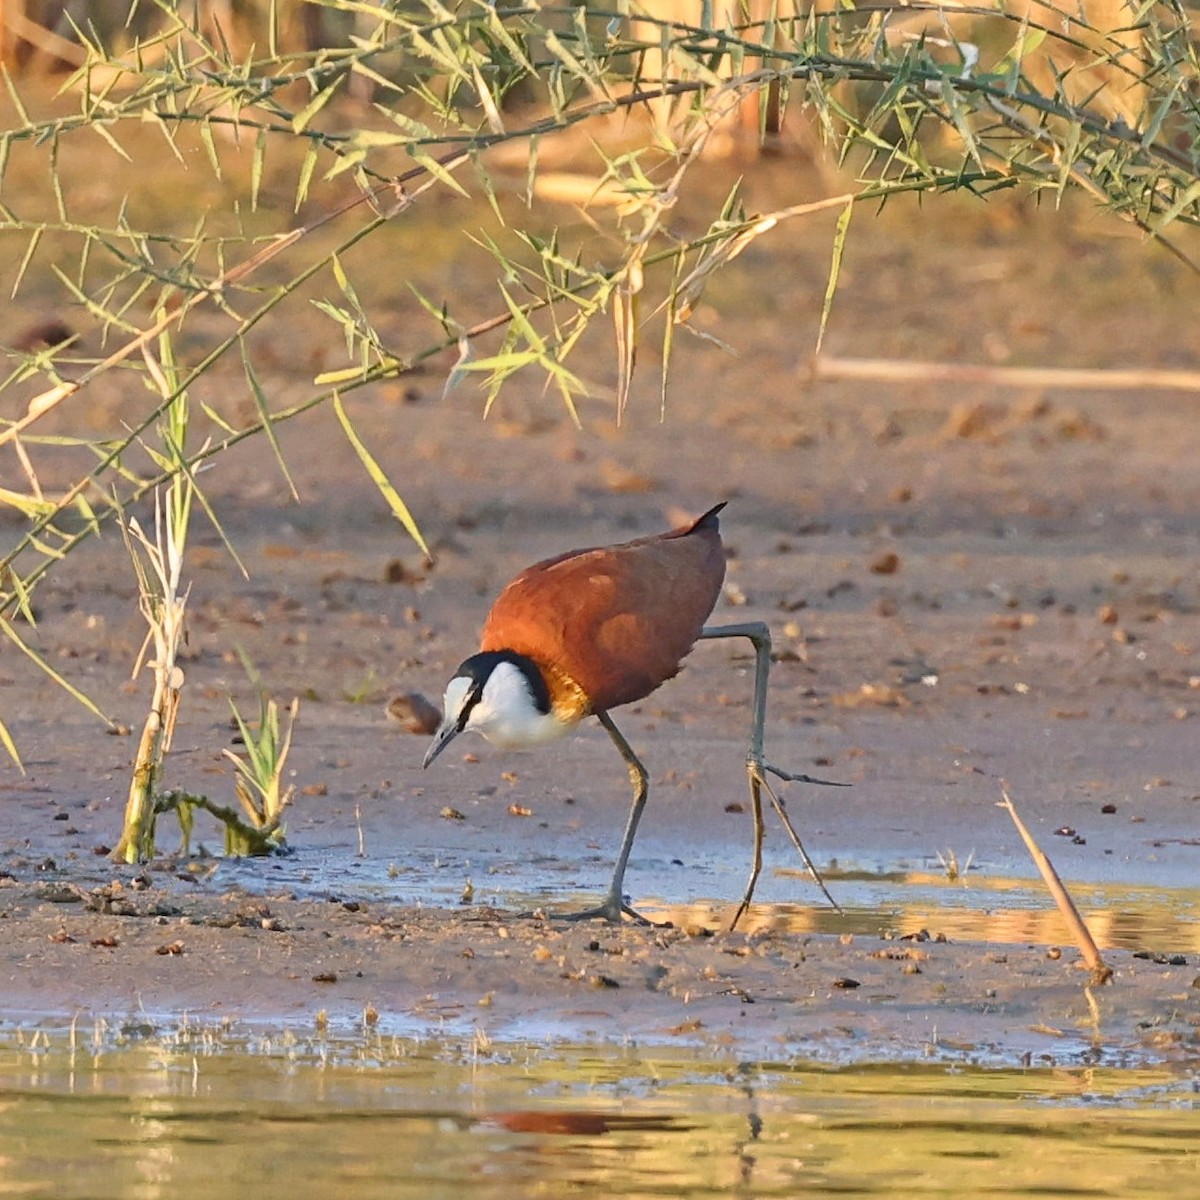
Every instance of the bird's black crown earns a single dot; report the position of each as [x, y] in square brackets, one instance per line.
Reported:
[479, 666]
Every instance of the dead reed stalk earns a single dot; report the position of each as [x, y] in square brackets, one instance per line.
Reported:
[1100, 971]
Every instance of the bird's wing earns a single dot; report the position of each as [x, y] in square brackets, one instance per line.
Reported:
[616, 620]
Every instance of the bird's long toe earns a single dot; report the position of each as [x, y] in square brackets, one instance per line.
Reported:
[614, 910]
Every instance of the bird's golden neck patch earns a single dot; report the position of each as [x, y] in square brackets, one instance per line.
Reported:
[568, 701]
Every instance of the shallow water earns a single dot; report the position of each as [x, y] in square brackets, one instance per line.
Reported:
[972, 905]
[141, 1112]
[994, 909]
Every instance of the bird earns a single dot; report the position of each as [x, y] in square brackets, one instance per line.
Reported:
[594, 629]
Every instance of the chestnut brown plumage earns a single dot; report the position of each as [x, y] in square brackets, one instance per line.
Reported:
[614, 621]
[591, 630]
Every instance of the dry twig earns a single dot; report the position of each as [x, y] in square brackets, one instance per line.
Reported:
[1101, 972]
[893, 370]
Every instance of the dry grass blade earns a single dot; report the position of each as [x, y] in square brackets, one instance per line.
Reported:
[1101, 972]
[689, 290]
[379, 477]
[10, 634]
[624, 310]
[835, 269]
[6, 740]
[158, 563]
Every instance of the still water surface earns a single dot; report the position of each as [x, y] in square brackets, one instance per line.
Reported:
[144, 1114]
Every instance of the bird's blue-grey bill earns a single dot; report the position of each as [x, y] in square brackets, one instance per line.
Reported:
[444, 736]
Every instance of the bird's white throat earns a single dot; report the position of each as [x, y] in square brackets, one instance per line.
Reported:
[505, 713]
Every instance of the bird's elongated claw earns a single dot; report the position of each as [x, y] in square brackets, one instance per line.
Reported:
[788, 777]
[613, 910]
[758, 779]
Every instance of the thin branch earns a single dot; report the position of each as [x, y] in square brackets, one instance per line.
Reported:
[1101, 973]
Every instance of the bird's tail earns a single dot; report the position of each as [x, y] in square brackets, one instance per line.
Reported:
[709, 520]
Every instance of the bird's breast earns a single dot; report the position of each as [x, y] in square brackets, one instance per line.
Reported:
[516, 731]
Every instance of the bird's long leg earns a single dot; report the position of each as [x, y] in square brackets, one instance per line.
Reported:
[757, 860]
[757, 768]
[614, 906]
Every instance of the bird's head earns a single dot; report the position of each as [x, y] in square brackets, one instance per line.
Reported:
[501, 695]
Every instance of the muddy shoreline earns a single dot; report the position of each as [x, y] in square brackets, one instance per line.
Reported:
[155, 957]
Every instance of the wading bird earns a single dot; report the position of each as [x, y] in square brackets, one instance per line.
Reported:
[592, 629]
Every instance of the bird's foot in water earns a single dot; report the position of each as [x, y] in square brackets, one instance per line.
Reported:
[614, 910]
[613, 913]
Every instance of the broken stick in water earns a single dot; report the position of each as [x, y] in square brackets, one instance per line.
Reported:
[1101, 972]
